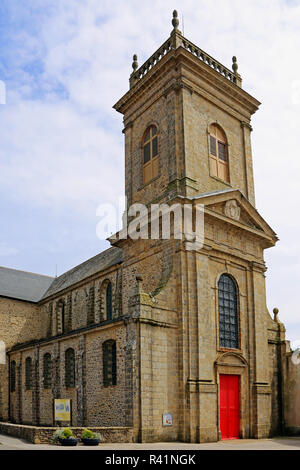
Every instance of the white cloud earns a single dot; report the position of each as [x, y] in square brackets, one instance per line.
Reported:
[6, 250]
[68, 152]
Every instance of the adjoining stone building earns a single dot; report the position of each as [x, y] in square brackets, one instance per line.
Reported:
[151, 327]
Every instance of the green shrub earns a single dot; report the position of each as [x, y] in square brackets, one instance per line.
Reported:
[61, 434]
[67, 433]
[88, 434]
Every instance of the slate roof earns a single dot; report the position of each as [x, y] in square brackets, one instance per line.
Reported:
[32, 287]
[22, 285]
[104, 260]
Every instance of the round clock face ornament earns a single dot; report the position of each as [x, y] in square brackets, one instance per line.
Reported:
[232, 210]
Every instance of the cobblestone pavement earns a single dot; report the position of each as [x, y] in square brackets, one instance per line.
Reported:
[280, 443]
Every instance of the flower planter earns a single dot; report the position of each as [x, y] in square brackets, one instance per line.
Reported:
[69, 441]
[90, 442]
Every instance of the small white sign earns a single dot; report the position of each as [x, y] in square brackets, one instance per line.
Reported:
[167, 419]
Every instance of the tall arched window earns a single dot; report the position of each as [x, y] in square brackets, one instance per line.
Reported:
[13, 376]
[228, 313]
[60, 317]
[150, 154]
[63, 318]
[108, 302]
[70, 368]
[109, 363]
[218, 153]
[47, 370]
[28, 373]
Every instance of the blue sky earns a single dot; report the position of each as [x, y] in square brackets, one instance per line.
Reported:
[66, 63]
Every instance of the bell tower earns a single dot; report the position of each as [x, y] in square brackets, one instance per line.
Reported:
[186, 124]
[204, 327]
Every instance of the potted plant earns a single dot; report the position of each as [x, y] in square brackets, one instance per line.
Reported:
[66, 437]
[90, 438]
[56, 436]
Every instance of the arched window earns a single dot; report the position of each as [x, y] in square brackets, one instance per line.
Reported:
[228, 313]
[109, 363]
[13, 376]
[60, 317]
[28, 373]
[218, 153]
[150, 154]
[63, 318]
[108, 303]
[47, 370]
[70, 368]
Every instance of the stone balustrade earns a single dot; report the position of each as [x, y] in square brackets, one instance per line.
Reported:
[175, 41]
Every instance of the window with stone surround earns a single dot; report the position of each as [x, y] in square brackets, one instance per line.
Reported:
[218, 153]
[60, 317]
[47, 371]
[108, 302]
[13, 376]
[70, 368]
[109, 363]
[28, 373]
[228, 313]
[150, 154]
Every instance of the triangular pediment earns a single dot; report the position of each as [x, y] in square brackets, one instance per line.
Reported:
[233, 207]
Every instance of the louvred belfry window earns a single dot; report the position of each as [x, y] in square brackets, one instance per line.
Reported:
[218, 153]
[150, 154]
[228, 313]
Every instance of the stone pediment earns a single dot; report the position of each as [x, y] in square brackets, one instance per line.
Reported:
[233, 207]
[234, 211]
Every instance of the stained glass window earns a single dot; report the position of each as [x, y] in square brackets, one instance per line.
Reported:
[70, 368]
[228, 313]
[47, 371]
[109, 363]
[108, 302]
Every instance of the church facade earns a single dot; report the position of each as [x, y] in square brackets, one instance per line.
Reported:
[172, 342]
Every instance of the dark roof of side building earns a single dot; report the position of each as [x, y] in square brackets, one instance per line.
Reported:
[33, 287]
[104, 260]
[22, 285]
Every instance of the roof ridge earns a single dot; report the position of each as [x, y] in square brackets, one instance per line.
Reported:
[26, 272]
[86, 261]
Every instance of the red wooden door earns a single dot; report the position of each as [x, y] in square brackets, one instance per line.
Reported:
[229, 406]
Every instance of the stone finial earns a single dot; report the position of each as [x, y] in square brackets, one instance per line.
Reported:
[135, 64]
[175, 20]
[234, 65]
[276, 311]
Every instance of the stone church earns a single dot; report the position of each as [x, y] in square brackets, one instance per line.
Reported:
[149, 328]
